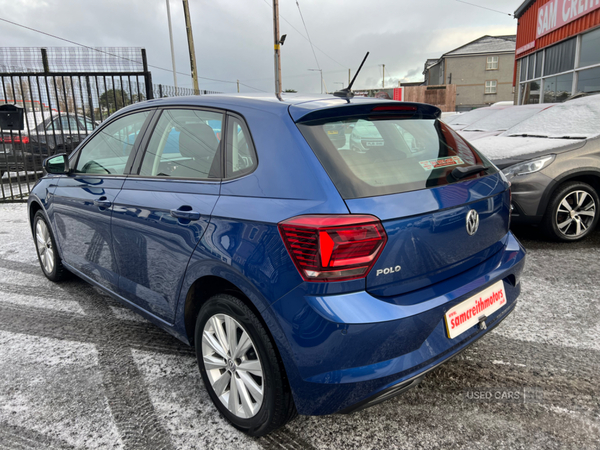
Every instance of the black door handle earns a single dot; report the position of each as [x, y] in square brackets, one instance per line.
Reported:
[102, 202]
[185, 212]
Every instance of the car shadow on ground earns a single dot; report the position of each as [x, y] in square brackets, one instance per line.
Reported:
[532, 237]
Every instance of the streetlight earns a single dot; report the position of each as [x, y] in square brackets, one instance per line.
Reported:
[319, 70]
[172, 48]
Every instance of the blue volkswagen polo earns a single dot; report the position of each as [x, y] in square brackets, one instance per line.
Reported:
[310, 277]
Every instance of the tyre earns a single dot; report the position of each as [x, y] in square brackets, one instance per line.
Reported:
[240, 367]
[572, 212]
[47, 252]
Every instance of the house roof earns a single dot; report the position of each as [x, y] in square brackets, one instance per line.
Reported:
[486, 44]
[431, 62]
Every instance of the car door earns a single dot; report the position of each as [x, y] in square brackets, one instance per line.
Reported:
[83, 199]
[165, 206]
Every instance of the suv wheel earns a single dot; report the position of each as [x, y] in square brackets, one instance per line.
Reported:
[572, 212]
[240, 367]
[45, 246]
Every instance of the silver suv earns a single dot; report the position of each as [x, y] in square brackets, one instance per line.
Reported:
[552, 160]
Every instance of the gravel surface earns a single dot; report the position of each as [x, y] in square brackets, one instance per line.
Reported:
[78, 370]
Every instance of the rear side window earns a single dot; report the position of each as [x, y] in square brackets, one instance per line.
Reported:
[366, 157]
[240, 155]
[185, 144]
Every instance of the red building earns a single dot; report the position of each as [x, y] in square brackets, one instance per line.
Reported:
[558, 50]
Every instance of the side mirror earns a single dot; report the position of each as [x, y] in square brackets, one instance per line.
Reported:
[58, 164]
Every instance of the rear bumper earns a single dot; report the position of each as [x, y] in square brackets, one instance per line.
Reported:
[345, 363]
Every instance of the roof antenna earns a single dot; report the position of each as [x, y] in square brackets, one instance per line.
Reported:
[347, 93]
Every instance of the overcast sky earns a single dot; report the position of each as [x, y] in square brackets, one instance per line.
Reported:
[234, 38]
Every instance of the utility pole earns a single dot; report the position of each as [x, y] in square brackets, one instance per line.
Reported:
[277, 45]
[172, 48]
[190, 36]
[319, 70]
[383, 79]
[238, 84]
[349, 76]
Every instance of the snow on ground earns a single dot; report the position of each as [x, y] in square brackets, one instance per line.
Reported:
[90, 377]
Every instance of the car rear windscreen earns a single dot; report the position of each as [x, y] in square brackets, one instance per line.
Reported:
[371, 156]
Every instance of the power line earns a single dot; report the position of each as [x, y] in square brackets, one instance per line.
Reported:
[312, 47]
[484, 7]
[300, 33]
[117, 56]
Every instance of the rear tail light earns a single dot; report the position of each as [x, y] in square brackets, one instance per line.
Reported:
[333, 248]
[14, 139]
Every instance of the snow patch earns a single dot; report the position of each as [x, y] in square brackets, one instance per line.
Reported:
[502, 147]
[575, 118]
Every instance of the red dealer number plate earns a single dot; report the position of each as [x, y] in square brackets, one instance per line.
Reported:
[468, 313]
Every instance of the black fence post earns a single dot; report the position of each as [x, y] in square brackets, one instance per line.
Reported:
[147, 77]
[45, 60]
[91, 100]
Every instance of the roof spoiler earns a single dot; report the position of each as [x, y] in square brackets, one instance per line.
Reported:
[392, 110]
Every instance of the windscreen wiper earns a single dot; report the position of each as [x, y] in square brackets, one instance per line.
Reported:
[528, 135]
[347, 93]
[462, 172]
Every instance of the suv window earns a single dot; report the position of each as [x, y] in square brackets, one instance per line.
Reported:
[185, 144]
[241, 156]
[63, 123]
[108, 151]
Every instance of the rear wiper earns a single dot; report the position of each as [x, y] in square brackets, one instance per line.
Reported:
[569, 137]
[462, 172]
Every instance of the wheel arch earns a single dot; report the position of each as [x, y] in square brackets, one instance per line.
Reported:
[590, 176]
[34, 207]
[205, 287]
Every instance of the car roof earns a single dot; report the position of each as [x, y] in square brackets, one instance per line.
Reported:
[264, 102]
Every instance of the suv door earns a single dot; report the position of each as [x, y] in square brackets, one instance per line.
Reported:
[83, 199]
[165, 206]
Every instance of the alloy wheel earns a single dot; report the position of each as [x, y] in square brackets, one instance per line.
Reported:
[44, 246]
[232, 365]
[575, 213]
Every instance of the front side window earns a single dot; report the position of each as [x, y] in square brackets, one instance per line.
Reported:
[492, 63]
[241, 156]
[382, 155]
[490, 86]
[108, 151]
[185, 144]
